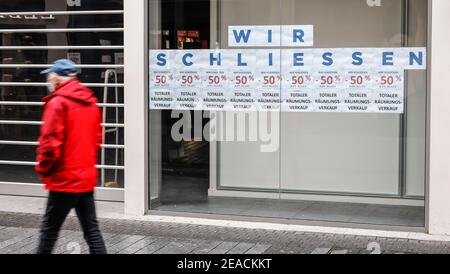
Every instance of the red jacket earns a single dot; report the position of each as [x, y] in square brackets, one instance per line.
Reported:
[70, 139]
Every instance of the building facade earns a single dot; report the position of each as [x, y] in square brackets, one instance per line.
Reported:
[314, 112]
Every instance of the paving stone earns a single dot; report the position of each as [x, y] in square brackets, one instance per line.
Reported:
[179, 247]
[18, 234]
[206, 247]
[155, 246]
[241, 248]
[321, 251]
[138, 245]
[115, 239]
[14, 247]
[62, 244]
[106, 237]
[339, 252]
[32, 247]
[223, 248]
[11, 232]
[124, 244]
[68, 247]
[78, 245]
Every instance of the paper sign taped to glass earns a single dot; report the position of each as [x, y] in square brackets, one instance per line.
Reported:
[355, 80]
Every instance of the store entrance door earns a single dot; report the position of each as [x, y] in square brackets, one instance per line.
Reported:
[185, 25]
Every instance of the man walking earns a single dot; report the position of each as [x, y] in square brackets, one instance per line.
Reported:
[70, 139]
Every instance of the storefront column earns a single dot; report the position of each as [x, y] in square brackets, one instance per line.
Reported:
[136, 110]
[439, 141]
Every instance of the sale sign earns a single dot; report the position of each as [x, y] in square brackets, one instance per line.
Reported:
[188, 81]
[367, 80]
[357, 92]
[389, 91]
[243, 82]
[162, 82]
[269, 80]
[298, 92]
[216, 83]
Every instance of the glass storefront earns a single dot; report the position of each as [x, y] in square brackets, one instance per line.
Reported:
[297, 109]
[35, 33]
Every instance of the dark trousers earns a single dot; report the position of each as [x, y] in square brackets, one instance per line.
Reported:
[58, 207]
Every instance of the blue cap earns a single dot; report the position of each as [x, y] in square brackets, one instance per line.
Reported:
[62, 67]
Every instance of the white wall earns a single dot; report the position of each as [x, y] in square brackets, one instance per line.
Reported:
[439, 173]
[136, 108]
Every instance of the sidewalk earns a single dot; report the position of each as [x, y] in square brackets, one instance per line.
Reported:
[20, 219]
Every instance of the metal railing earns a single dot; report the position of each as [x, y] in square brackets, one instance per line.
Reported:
[23, 163]
[29, 143]
[59, 47]
[35, 84]
[61, 30]
[48, 13]
[39, 123]
[38, 104]
[40, 66]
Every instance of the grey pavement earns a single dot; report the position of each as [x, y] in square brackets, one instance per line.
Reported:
[19, 234]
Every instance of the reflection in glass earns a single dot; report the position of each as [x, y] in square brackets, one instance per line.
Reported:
[342, 167]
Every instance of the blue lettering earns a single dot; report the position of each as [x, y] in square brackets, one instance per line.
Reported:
[270, 59]
[328, 61]
[298, 59]
[242, 36]
[240, 63]
[388, 58]
[185, 57]
[213, 59]
[299, 35]
[269, 34]
[414, 58]
[161, 59]
[357, 60]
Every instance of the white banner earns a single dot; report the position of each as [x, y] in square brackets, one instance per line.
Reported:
[366, 80]
[271, 36]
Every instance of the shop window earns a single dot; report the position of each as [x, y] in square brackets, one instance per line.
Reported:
[35, 33]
